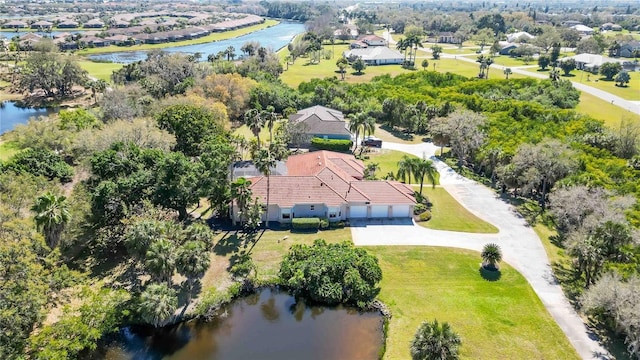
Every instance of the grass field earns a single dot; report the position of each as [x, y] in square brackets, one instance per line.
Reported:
[456, 50]
[630, 92]
[447, 214]
[398, 137]
[501, 319]
[603, 110]
[465, 68]
[99, 70]
[209, 38]
[7, 150]
[386, 159]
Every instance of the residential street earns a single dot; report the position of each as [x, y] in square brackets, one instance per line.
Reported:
[520, 245]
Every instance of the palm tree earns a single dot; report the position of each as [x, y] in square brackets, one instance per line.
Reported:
[230, 52]
[264, 163]
[405, 169]
[158, 304]
[435, 342]
[192, 261]
[507, 72]
[241, 193]
[269, 117]
[356, 122]
[200, 232]
[422, 168]
[402, 45]
[161, 261]
[369, 126]
[52, 214]
[140, 235]
[491, 255]
[554, 75]
[254, 120]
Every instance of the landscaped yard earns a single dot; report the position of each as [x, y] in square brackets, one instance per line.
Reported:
[501, 319]
[447, 214]
[630, 92]
[604, 110]
[396, 136]
[386, 159]
[99, 70]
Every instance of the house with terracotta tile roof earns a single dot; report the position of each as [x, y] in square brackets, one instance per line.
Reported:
[322, 122]
[329, 185]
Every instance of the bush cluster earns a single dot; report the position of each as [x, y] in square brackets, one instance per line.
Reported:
[331, 144]
[425, 216]
[305, 224]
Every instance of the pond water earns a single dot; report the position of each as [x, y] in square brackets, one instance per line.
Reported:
[267, 325]
[274, 38]
[11, 115]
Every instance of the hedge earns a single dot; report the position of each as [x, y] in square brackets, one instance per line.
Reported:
[331, 144]
[305, 224]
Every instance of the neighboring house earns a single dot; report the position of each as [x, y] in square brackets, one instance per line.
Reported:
[121, 24]
[322, 122]
[379, 55]
[96, 41]
[373, 40]
[16, 24]
[447, 38]
[591, 62]
[30, 37]
[519, 37]
[329, 185]
[67, 24]
[627, 49]
[94, 24]
[506, 47]
[616, 27]
[571, 23]
[42, 24]
[583, 30]
[606, 26]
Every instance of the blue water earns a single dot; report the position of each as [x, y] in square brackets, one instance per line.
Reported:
[11, 115]
[273, 38]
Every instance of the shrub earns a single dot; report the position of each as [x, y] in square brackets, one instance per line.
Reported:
[324, 224]
[305, 224]
[212, 299]
[331, 144]
[425, 216]
[419, 209]
[336, 225]
[41, 162]
[331, 273]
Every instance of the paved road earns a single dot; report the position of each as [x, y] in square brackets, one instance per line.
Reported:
[520, 245]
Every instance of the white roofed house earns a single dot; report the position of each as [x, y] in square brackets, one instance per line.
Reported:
[520, 36]
[376, 55]
[583, 30]
[591, 62]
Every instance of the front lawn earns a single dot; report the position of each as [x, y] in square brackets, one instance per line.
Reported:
[501, 319]
[447, 214]
[604, 110]
[100, 70]
[629, 92]
[386, 159]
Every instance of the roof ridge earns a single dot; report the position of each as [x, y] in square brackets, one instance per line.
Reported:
[358, 190]
[393, 184]
[331, 188]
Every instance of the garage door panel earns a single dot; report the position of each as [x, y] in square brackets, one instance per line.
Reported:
[379, 211]
[401, 211]
[358, 212]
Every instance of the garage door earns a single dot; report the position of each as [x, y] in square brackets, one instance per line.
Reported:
[400, 211]
[379, 211]
[358, 212]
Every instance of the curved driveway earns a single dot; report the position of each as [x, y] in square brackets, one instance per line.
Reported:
[520, 245]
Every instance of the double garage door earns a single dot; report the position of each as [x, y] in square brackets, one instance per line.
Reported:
[380, 211]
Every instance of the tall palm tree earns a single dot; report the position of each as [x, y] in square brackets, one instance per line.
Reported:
[254, 120]
[435, 342]
[491, 255]
[405, 169]
[201, 232]
[422, 168]
[230, 52]
[264, 162]
[369, 126]
[269, 117]
[241, 193]
[52, 214]
[192, 260]
[355, 124]
[158, 304]
[161, 261]
[140, 235]
[402, 45]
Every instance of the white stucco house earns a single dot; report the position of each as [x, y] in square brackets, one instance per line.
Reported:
[377, 55]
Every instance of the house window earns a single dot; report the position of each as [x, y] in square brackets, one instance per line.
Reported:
[263, 207]
[312, 207]
[332, 215]
[286, 216]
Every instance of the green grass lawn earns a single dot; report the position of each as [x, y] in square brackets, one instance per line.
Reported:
[455, 50]
[508, 61]
[554, 253]
[396, 136]
[7, 150]
[630, 92]
[447, 214]
[386, 159]
[99, 70]
[209, 38]
[603, 110]
[465, 68]
[501, 319]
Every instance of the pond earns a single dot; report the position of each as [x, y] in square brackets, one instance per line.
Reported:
[11, 115]
[267, 325]
[274, 38]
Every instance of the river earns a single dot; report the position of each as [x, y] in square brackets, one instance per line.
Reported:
[269, 325]
[274, 38]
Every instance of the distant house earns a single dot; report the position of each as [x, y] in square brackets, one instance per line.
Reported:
[67, 24]
[121, 24]
[447, 38]
[616, 28]
[506, 47]
[571, 23]
[628, 49]
[31, 37]
[96, 41]
[583, 30]
[519, 36]
[606, 26]
[322, 122]
[373, 40]
[16, 24]
[94, 24]
[591, 62]
[120, 40]
[42, 24]
[329, 185]
[379, 55]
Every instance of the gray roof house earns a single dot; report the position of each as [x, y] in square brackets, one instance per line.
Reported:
[377, 55]
[322, 122]
[627, 49]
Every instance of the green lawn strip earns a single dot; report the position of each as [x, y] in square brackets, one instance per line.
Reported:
[501, 319]
[508, 61]
[206, 39]
[448, 214]
[465, 68]
[99, 70]
[555, 253]
[386, 159]
[7, 150]
[604, 110]
[455, 50]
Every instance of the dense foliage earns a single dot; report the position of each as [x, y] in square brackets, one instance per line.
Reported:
[40, 162]
[331, 144]
[331, 273]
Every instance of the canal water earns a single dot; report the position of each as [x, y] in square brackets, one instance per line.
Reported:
[273, 38]
[269, 325]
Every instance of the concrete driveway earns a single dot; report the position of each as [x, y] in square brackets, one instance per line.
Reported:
[520, 245]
